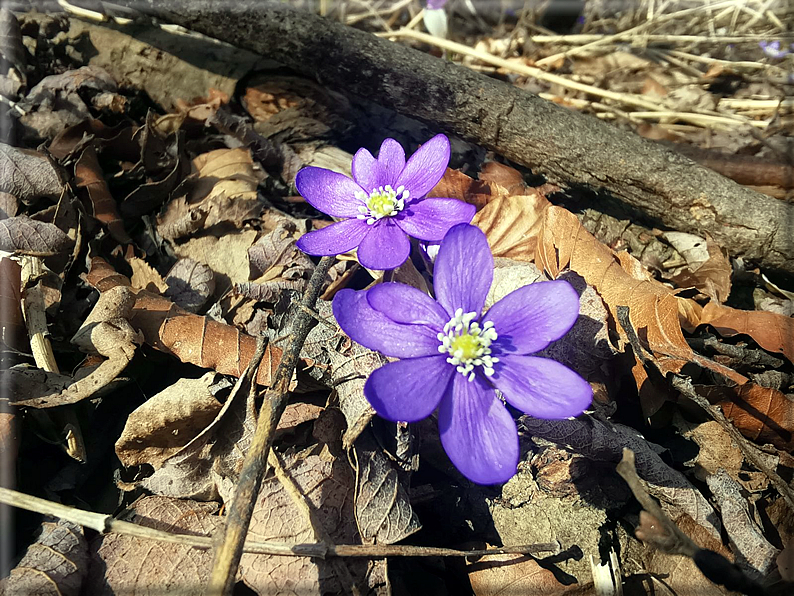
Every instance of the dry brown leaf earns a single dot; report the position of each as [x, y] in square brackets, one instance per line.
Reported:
[263, 101]
[278, 249]
[457, 185]
[225, 255]
[9, 205]
[297, 413]
[179, 220]
[771, 331]
[747, 539]
[164, 162]
[106, 332]
[13, 331]
[167, 421]
[276, 264]
[88, 175]
[199, 340]
[85, 77]
[9, 439]
[129, 565]
[56, 565]
[192, 338]
[512, 224]
[25, 236]
[209, 464]
[682, 575]
[680, 572]
[102, 276]
[712, 275]
[145, 277]
[604, 441]
[27, 174]
[11, 45]
[718, 451]
[506, 575]
[343, 365]
[280, 515]
[226, 186]
[505, 177]
[383, 511]
[761, 414]
[619, 278]
[785, 562]
[190, 284]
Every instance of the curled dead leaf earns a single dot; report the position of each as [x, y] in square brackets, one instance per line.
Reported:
[199, 340]
[167, 421]
[761, 414]
[771, 331]
[512, 224]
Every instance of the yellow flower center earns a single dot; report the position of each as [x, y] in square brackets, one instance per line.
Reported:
[468, 344]
[381, 202]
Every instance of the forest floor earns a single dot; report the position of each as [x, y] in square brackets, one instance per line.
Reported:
[151, 293]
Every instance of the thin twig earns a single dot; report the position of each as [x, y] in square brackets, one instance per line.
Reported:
[107, 524]
[227, 557]
[676, 542]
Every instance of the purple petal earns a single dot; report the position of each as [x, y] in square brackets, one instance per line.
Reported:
[372, 173]
[425, 168]
[408, 390]
[391, 159]
[376, 331]
[477, 431]
[329, 192]
[405, 304]
[530, 318]
[463, 270]
[385, 247]
[431, 219]
[366, 170]
[334, 239]
[541, 387]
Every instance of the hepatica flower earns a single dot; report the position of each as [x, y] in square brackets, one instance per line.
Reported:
[382, 205]
[455, 358]
[772, 49]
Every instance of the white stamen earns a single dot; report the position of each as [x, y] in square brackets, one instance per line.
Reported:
[468, 344]
[381, 202]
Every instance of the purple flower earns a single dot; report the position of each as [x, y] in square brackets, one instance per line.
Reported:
[455, 358]
[383, 204]
[772, 49]
[435, 4]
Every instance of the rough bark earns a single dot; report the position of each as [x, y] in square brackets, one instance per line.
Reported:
[568, 147]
